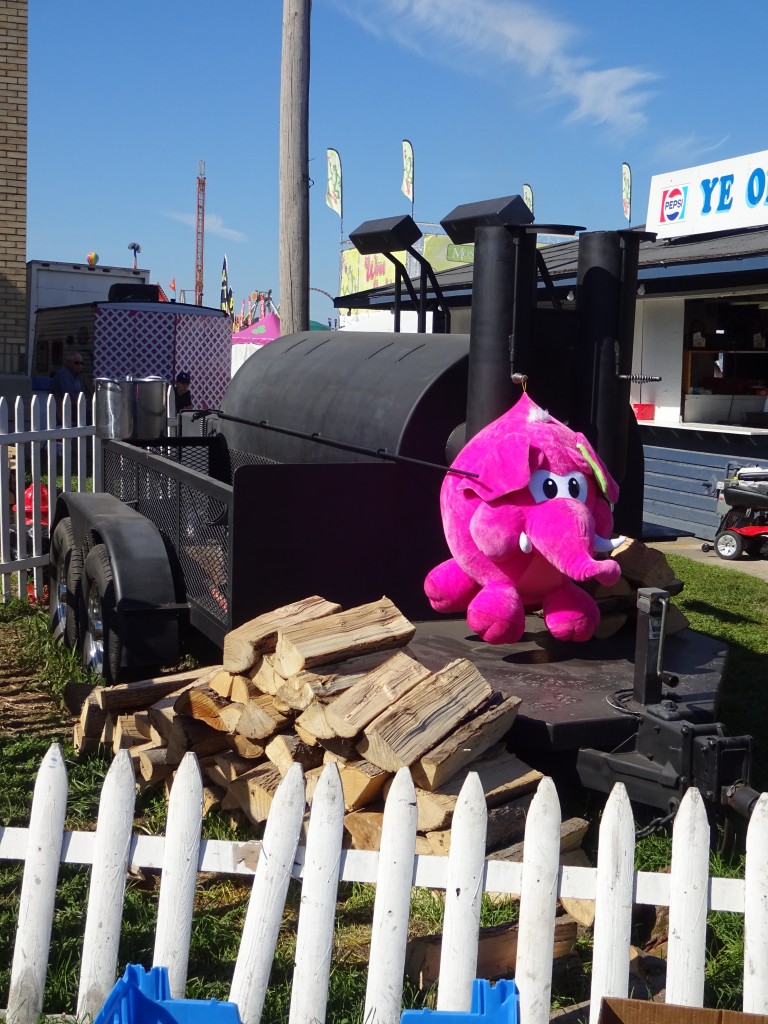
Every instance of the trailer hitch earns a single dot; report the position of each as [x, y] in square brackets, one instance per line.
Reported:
[673, 747]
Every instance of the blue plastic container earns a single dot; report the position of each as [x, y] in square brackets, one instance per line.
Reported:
[144, 997]
[491, 1004]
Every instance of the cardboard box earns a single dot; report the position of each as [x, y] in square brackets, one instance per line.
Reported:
[638, 1011]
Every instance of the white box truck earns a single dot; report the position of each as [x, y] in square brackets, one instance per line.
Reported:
[52, 283]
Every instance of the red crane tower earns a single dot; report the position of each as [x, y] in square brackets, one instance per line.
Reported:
[200, 234]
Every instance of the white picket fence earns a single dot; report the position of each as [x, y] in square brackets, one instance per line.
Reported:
[464, 874]
[28, 436]
[33, 436]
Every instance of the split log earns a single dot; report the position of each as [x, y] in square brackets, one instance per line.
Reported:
[255, 791]
[232, 764]
[470, 741]
[349, 713]
[243, 689]
[205, 705]
[221, 683]
[84, 744]
[139, 695]
[265, 676]
[212, 797]
[314, 722]
[135, 753]
[246, 748]
[92, 717]
[361, 782]
[154, 765]
[582, 911]
[125, 734]
[503, 778]
[143, 724]
[572, 832]
[261, 719]
[424, 716]
[363, 830]
[245, 644]
[187, 734]
[286, 749]
[370, 627]
[496, 955]
[216, 776]
[644, 566]
[506, 824]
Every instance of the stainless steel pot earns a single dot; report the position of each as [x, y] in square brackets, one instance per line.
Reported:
[131, 407]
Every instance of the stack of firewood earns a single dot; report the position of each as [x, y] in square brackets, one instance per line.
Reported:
[310, 683]
[641, 566]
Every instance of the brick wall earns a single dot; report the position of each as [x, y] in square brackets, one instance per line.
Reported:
[13, 185]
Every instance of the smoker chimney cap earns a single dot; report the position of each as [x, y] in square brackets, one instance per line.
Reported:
[388, 234]
[509, 211]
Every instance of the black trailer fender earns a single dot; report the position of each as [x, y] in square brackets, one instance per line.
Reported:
[145, 595]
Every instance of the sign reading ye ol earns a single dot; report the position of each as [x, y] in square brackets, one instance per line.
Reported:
[720, 196]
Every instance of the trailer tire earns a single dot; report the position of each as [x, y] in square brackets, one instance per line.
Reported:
[729, 545]
[102, 648]
[65, 570]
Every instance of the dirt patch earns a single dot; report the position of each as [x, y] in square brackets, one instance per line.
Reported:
[26, 707]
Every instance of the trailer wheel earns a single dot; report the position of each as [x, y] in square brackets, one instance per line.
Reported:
[729, 545]
[102, 649]
[65, 571]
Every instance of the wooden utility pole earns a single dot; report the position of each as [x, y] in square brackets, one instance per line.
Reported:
[294, 168]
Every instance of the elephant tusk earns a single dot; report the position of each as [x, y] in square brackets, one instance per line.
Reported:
[525, 544]
[603, 544]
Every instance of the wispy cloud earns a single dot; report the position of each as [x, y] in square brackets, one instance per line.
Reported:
[213, 225]
[684, 151]
[519, 34]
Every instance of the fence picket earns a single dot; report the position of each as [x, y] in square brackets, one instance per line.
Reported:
[389, 931]
[463, 898]
[38, 889]
[107, 889]
[756, 910]
[179, 877]
[18, 514]
[689, 890]
[6, 498]
[265, 907]
[314, 939]
[613, 904]
[538, 898]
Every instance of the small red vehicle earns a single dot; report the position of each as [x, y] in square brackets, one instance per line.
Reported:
[744, 527]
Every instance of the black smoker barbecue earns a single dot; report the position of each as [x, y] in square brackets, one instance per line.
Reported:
[321, 475]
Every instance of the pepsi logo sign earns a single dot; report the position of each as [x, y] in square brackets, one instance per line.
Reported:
[673, 202]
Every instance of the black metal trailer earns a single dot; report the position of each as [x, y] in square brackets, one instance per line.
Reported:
[321, 475]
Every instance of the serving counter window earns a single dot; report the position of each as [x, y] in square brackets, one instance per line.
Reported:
[725, 362]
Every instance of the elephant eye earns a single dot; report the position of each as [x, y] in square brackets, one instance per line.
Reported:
[545, 486]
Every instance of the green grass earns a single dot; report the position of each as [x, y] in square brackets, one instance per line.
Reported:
[733, 607]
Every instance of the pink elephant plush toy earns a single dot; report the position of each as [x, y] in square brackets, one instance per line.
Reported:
[525, 528]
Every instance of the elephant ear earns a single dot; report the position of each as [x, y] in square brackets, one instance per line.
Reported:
[606, 483]
[504, 468]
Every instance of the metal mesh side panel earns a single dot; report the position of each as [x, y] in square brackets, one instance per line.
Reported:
[195, 523]
[238, 459]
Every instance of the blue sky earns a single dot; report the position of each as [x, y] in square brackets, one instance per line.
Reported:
[125, 100]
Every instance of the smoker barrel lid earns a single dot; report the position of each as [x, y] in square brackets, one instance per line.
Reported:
[401, 392]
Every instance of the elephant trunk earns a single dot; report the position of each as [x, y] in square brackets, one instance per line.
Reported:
[563, 532]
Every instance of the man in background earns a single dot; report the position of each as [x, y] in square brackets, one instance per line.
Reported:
[68, 380]
[182, 392]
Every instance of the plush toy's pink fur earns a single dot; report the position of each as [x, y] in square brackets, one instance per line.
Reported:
[525, 528]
